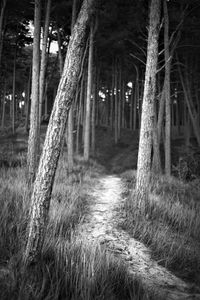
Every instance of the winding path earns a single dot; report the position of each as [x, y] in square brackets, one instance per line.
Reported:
[100, 226]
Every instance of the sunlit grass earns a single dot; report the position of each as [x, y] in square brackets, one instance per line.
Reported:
[67, 269]
[169, 223]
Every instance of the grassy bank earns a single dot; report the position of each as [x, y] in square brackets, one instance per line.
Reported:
[67, 269]
[170, 224]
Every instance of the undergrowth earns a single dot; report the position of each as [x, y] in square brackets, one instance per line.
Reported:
[67, 269]
[169, 223]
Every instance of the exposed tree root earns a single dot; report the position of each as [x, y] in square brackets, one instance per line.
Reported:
[100, 227]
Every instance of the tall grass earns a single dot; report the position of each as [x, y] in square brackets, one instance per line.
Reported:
[68, 269]
[169, 223]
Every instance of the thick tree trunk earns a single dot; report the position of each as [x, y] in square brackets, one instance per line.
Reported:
[44, 59]
[88, 100]
[147, 118]
[167, 94]
[33, 141]
[42, 189]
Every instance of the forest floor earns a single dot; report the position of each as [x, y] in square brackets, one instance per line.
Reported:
[95, 232]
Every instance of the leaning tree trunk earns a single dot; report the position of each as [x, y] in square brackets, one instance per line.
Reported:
[88, 100]
[43, 184]
[33, 141]
[147, 118]
[167, 94]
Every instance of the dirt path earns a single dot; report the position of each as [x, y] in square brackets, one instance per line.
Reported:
[100, 226]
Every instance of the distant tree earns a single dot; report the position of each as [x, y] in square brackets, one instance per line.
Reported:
[2, 7]
[148, 116]
[41, 195]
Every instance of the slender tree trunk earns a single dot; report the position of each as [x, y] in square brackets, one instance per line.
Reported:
[167, 94]
[44, 59]
[42, 189]
[147, 118]
[13, 90]
[88, 100]
[70, 127]
[33, 142]
[93, 125]
[28, 90]
[3, 107]
[1, 26]
[116, 104]
[60, 57]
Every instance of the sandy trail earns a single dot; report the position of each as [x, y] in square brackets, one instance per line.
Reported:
[100, 226]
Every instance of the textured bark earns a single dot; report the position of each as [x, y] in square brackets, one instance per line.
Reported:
[42, 189]
[147, 118]
[70, 127]
[44, 58]
[167, 94]
[33, 141]
[88, 99]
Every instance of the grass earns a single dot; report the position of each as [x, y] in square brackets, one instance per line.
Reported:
[68, 269]
[170, 224]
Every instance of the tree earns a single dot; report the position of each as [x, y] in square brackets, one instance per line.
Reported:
[147, 118]
[41, 195]
[167, 94]
[33, 141]
[3, 6]
[89, 91]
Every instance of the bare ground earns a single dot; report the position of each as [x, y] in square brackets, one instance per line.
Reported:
[100, 227]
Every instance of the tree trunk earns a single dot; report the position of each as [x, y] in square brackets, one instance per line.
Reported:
[60, 57]
[147, 118]
[33, 141]
[116, 104]
[70, 127]
[89, 90]
[28, 90]
[3, 107]
[42, 189]
[1, 27]
[13, 90]
[167, 94]
[93, 125]
[44, 59]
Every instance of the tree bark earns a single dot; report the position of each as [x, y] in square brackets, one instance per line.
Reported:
[40, 199]
[167, 94]
[89, 90]
[44, 59]
[70, 127]
[147, 118]
[33, 141]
